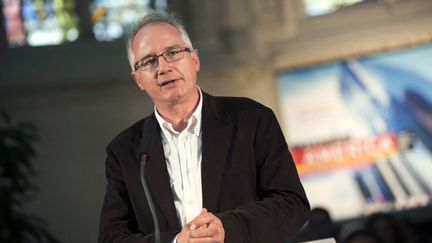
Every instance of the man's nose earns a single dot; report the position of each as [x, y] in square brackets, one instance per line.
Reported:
[163, 65]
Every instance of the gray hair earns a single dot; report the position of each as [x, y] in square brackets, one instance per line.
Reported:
[152, 18]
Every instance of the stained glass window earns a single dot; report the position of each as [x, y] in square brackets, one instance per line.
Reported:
[112, 18]
[39, 22]
[321, 7]
[52, 22]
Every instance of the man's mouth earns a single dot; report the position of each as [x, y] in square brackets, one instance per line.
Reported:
[166, 82]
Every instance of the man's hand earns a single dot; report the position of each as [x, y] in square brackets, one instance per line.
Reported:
[206, 227]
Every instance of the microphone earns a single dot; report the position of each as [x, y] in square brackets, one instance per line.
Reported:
[148, 132]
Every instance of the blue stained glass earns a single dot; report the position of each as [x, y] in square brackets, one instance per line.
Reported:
[40, 22]
[112, 19]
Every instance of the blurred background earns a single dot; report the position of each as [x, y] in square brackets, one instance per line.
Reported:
[64, 69]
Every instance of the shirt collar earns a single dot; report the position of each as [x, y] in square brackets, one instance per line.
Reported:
[194, 122]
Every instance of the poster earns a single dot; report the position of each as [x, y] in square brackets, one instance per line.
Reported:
[360, 131]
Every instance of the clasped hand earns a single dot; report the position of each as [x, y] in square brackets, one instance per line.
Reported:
[206, 227]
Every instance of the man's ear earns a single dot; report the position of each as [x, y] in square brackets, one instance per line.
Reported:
[196, 59]
[137, 80]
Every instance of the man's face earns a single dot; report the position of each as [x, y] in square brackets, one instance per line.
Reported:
[171, 82]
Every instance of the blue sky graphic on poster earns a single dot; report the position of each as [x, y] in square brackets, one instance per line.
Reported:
[360, 131]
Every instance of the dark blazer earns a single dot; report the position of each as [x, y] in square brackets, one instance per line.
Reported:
[248, 179]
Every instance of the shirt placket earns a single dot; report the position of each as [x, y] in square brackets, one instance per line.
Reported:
[189, 184]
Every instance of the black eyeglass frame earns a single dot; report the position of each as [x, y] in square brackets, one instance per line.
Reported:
[156, 57]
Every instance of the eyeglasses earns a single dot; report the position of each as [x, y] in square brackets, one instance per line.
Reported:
[152, 62]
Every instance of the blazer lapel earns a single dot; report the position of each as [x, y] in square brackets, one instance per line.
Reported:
[158, 180]
[216, 136]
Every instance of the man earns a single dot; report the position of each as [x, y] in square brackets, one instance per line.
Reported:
[219, 168]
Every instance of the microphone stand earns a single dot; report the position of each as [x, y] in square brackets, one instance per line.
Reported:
[144, 158]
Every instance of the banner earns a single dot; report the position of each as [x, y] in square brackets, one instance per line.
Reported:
[360, 131]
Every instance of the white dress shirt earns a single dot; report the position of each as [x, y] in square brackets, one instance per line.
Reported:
[183, 157]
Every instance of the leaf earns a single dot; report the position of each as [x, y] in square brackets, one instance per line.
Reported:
[16, 170]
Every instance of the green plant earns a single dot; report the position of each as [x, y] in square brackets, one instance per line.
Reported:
[16, 170]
